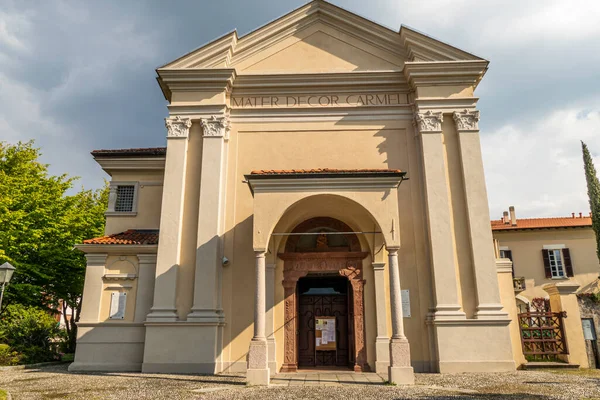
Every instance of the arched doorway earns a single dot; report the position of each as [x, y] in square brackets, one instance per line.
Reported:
[319, 252]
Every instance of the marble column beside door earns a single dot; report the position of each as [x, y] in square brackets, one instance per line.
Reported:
[400, 371]
[258, 367]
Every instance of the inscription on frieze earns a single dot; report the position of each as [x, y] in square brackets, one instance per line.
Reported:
[320, 100]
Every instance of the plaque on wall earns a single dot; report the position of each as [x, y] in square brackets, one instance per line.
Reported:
[325, 337]
[588, 329]
[405, 303]
[118, 301]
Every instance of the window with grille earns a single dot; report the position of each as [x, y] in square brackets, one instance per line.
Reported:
[125, 197]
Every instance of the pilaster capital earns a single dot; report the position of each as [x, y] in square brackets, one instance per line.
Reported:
[96, 259]
[178, 127]
[147, 258]
[378, 266]
[429, 121]
[467, 120]
[216, 127]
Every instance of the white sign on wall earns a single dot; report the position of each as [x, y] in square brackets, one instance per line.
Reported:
[118, 300]
[405, 303]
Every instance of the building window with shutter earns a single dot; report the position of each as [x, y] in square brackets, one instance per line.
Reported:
[122, 199]
[557, 262]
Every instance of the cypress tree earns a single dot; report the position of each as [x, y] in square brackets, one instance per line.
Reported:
[593, 186]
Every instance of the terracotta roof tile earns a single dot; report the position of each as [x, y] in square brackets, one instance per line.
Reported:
[129, 237]
[321, 171]
[543, 223]
[149, 151]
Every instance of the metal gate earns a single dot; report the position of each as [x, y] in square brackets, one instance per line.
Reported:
[543, 334]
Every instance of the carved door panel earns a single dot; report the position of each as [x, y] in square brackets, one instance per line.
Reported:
[322, 305]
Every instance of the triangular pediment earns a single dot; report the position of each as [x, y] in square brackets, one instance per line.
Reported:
[318, 37]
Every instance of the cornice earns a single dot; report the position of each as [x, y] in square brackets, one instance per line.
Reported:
[445, 73]
[117, 249]
[348, 81]
[183, 79]
[323, 184]
[421, 47]
[131, 163]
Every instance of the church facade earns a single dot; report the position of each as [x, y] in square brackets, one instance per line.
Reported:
[320, 202]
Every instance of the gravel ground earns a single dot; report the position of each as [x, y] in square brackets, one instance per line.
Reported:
[54, 382]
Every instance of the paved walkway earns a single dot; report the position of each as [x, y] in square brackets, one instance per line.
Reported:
[327, 378]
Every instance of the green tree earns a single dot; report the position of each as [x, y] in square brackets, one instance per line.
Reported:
[40, 223]
[593, 187]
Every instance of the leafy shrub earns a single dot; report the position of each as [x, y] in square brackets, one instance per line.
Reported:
[8, 356]
[30, 332]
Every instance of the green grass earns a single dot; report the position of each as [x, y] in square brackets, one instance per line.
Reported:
[3, 395]
[585, 372]
[68, 357]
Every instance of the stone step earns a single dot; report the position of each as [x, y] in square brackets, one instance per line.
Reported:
[548, 364]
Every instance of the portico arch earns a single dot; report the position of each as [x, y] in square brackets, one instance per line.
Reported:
[301, 259]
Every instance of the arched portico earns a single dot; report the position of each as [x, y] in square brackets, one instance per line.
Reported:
[373, 193]
[301, 259]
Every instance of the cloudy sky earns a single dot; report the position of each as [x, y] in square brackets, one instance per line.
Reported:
[79, 75]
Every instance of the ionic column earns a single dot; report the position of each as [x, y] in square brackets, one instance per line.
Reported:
[270, 310]
[439, 218]
[93, 287]
[400, 370]
[258, 369]
[382, 341]
[207, 283]
[478, 216]
[169, 246]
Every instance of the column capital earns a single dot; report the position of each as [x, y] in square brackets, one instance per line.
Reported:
[392, 250]
[466, 120]
[259, 254]
[178, 127]
[216, 127]
[429, 121]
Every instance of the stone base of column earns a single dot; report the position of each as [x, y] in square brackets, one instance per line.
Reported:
[401, 375]
[382, 354]
[271, 347]
[490, 311]
[448, 311]
[400, 372]
[258, 370]
[198, 315]
[162, 315]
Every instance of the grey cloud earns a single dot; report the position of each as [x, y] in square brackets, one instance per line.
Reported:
[82, 73]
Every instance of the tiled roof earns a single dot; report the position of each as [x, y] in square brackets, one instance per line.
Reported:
[321, 171]
[543, 223]
[131, 236]
[150, 151]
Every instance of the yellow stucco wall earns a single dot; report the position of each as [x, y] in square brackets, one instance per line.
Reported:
[526, 247]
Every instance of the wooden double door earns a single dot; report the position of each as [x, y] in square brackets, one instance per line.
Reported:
[320, 298]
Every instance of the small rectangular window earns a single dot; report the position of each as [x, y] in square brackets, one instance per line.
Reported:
[125, 197]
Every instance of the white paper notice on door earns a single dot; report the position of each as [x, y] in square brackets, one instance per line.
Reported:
[405, 303]
[118, 301]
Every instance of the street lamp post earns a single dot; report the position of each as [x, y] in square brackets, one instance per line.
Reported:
[6, 273]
